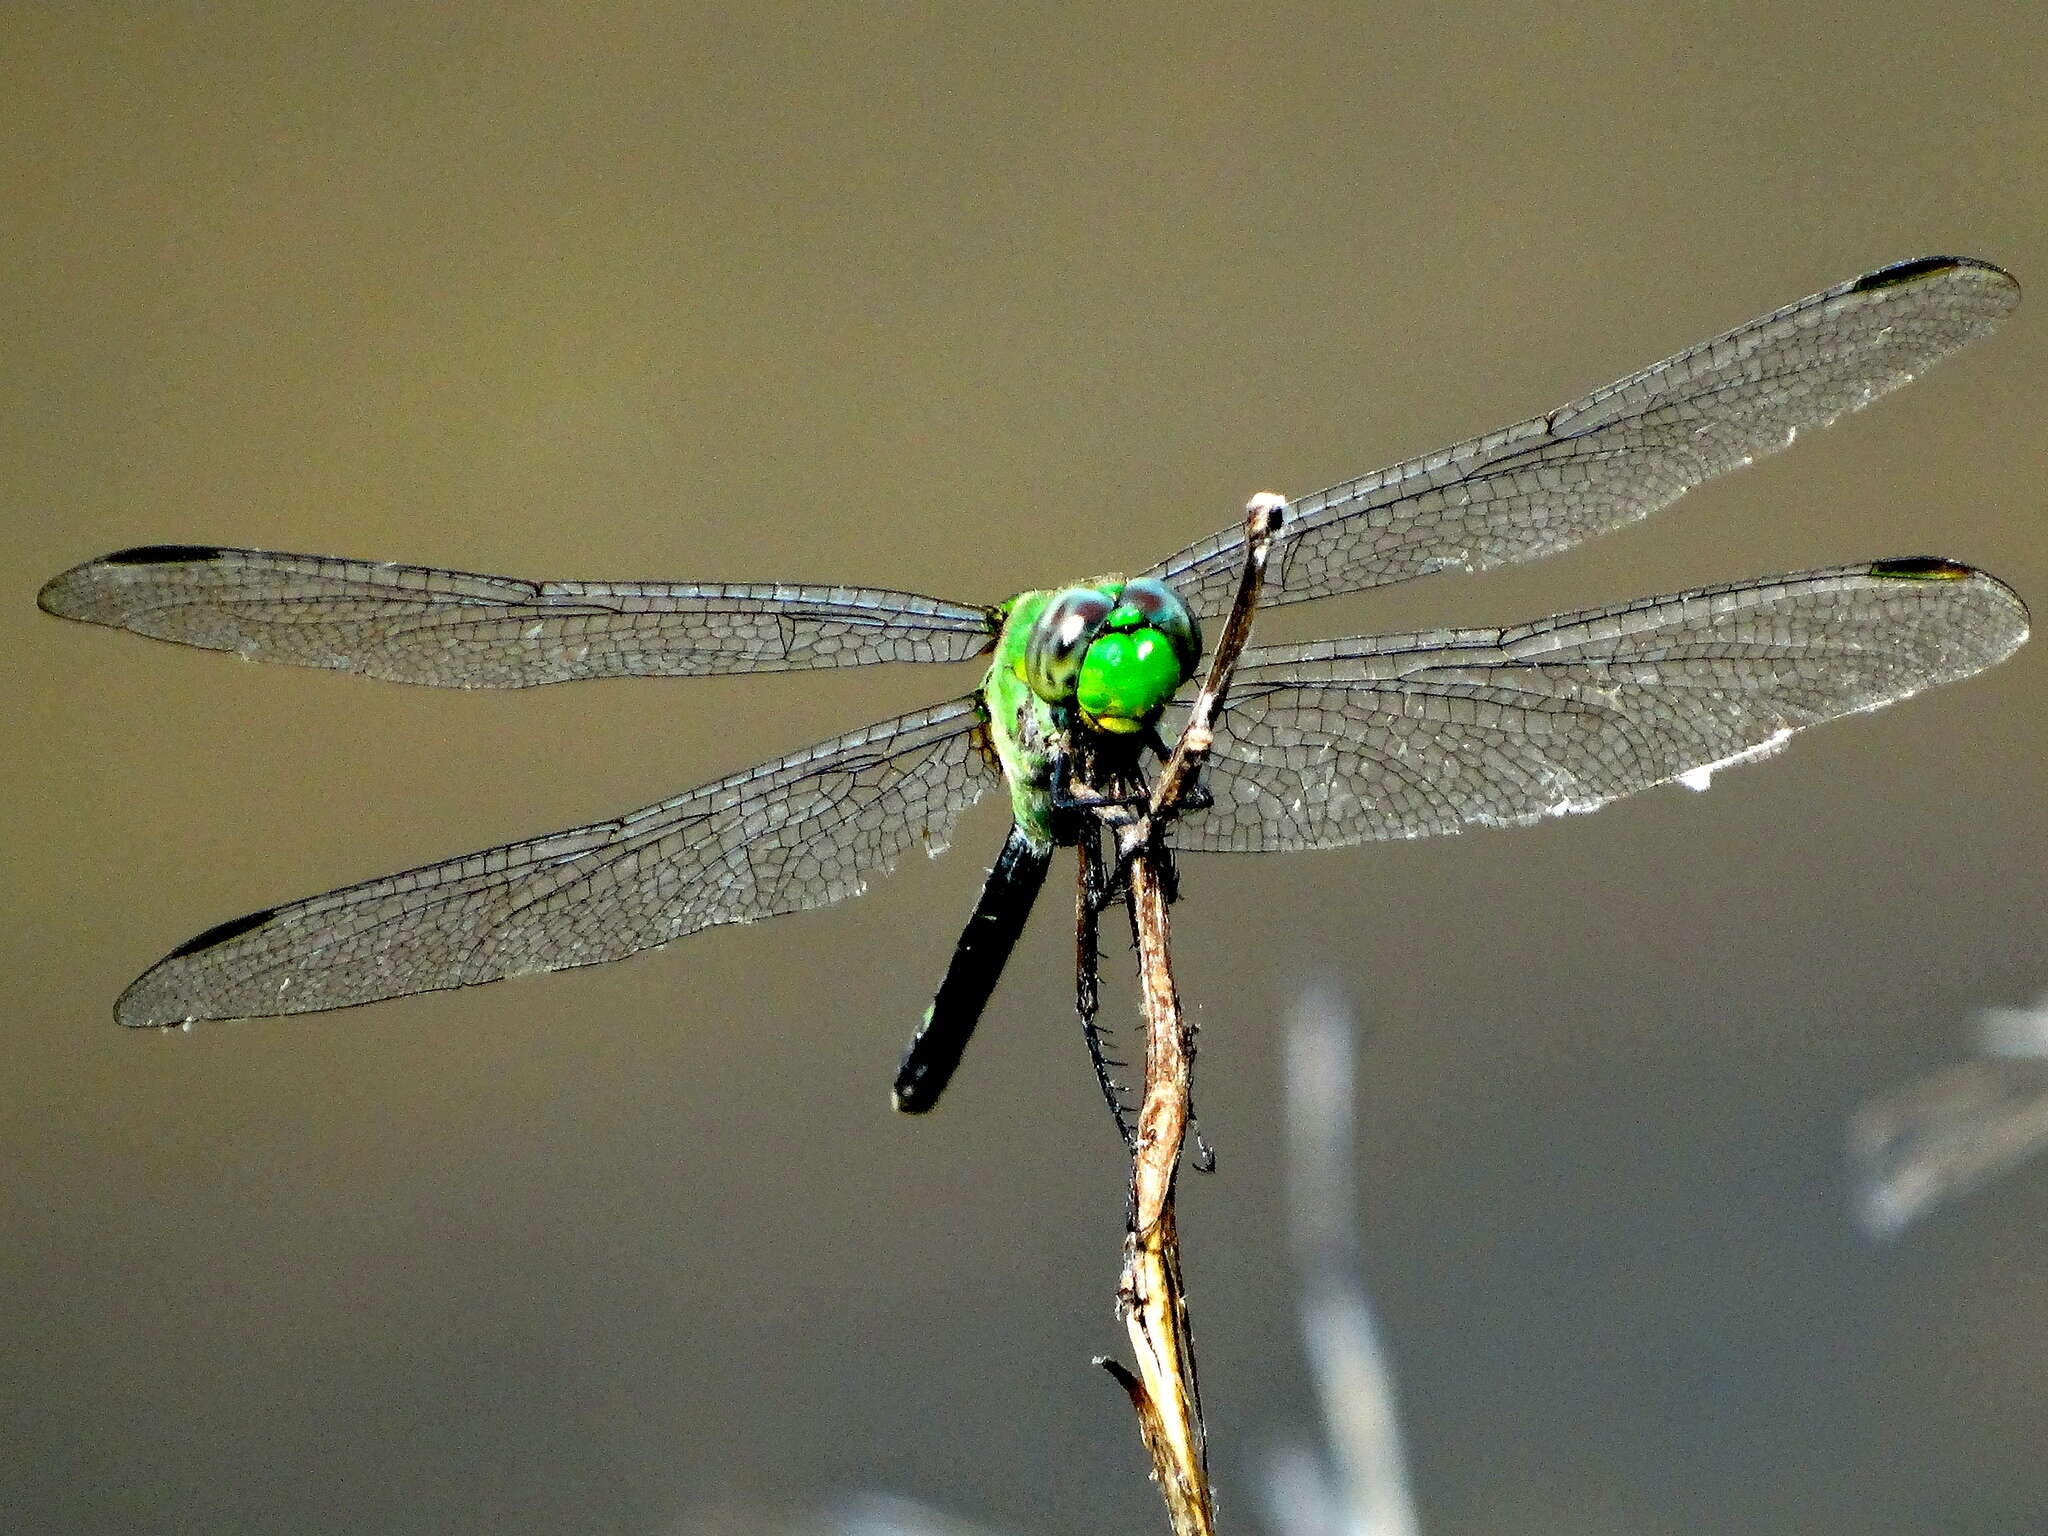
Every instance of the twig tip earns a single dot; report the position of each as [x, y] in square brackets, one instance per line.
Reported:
[1265, 512]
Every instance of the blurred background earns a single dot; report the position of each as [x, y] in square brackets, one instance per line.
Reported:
[964, 299]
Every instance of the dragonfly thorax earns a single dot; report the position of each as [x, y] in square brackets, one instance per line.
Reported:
[1113, 652]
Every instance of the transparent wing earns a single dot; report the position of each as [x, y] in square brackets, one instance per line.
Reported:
[455, 629]
[802, 832]
[1352, 741]
[1619, 453]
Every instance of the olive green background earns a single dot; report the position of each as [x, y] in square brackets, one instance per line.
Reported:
[964, 299]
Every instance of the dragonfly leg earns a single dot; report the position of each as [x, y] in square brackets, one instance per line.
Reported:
[1088, 811]
[1118, 883]
[1204, 1158]
[1101, 883]
[1078, 801]
[1088, 903]
[1196, 796]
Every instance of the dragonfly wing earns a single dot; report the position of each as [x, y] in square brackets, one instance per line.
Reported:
[1620, 452]
[1352, 741]
[804, 831]
[455, 629]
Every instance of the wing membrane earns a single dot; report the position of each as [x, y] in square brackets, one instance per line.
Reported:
[1620, 452]
[801, 832]
[1358, 740]
[455, 629]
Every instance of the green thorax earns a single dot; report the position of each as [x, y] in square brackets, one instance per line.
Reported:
[1103, 657]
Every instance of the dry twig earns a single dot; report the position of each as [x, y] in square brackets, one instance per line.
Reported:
[1149, 1295]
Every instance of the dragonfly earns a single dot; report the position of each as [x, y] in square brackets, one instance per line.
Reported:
[1323, 745]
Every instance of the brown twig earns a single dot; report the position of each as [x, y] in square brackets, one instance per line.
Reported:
[1149, 1295]
[1262, 518]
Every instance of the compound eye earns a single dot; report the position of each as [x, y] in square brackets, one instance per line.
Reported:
[1060, 638]
[1163, 610]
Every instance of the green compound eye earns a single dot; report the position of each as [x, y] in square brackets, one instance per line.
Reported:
[1116, 652]
[1147, 603]
[1058, 641]
[1126, 678]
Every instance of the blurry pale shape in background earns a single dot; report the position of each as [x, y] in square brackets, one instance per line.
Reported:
[1941, 1135]
[1358, 1486]
[882, 1514]
[1909, 1150]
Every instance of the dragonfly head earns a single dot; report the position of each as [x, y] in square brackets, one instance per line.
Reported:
[1115, 652]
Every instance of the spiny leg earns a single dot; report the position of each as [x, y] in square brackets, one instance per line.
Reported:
[1117, 806]
[1089, 899]
[1077, 799]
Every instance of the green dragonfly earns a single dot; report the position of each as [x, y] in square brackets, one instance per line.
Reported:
[1323, 745]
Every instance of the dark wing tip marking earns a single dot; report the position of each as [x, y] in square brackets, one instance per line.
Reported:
[1623, 450]
[162, 554]
[1935, 568]
[1922, 266]
[220, 933]
[67, 594]
[1921, 568]
[1902, 272]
